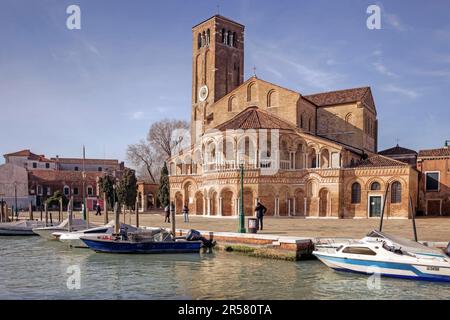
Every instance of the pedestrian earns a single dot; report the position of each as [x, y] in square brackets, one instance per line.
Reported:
[99, 210]
[260, 211]
[167, 211]
[186, 213]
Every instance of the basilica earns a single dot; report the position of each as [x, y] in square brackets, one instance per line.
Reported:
[311, 156]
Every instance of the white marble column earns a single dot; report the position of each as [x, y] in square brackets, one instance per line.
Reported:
[289, 206]
[220, 206]
[305, 200]
[208, 203]
[293, 206]
[318, 160]
[204, 206]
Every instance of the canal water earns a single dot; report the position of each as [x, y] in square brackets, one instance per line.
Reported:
[34, 268]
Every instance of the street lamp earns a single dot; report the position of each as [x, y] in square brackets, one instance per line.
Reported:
[241, 204]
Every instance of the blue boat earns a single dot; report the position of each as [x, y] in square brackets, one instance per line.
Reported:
[113, 245]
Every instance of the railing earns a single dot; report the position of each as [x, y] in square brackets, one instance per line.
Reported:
[285, 165]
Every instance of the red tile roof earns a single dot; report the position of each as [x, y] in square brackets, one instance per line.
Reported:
[441, 152]
[397, 150]
[255, 118]
[379, 161]
[338, 97]
[61, 175]
[87, 161]
[30, 155]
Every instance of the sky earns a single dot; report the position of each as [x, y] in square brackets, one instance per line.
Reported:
[130, 65]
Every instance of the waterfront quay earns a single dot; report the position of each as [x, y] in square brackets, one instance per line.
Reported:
[293, 238]
[283, 238]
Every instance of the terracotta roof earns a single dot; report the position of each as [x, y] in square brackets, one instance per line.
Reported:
[338, 97]
[87, 161]
[61, 175]
[30, 155]
[255, 118]
[379, 161]
[441, 152]
[397, 150]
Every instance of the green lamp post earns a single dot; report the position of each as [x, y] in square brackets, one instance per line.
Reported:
[241, 207]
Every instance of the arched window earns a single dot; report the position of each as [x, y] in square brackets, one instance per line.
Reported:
[199, 41]
[251, 92]
[234, 40]
[90, 191]
[223, 35]
[230, 38]
[396, 192]
[375, 186]
[272, 98]
[349, 118]
[208, 37]
[356, 193]
[66, 190]
[232, 104]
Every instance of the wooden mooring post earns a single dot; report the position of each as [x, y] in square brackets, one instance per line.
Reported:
[136, 208]
[60, 209]
[30, 208]
[46, 214]
[41, 212]
[105, 206]
[2, 213]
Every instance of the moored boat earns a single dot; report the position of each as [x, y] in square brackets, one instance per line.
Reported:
[73, 238]
[20, 228]
[387, 255]
[155, 241]
[66, 225]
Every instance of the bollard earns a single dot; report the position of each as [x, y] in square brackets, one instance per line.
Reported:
[41, 211]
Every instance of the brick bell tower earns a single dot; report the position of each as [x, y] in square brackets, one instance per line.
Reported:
[217, 67]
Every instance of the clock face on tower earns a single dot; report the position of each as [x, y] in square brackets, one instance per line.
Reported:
[203, 93]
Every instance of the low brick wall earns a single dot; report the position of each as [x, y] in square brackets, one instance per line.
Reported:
[299, 247]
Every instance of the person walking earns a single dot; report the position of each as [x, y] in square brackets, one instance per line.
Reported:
[167, 211]
[260, 211]
[98, 210]
[186, 213]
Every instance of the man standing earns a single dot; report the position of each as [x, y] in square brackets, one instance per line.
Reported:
[186, 213]
[167, 211]
[260, 211]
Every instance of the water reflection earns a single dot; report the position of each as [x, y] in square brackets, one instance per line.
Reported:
[33, 268]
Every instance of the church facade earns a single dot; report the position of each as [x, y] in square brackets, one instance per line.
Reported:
[306, 156]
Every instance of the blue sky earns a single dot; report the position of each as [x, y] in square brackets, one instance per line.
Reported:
[130, 65]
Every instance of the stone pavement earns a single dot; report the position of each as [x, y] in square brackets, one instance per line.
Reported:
[429, 229]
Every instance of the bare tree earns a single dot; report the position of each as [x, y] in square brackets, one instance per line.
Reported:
[162, 135]
[143, 155]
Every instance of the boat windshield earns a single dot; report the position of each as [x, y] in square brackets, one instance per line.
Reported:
[404, 244]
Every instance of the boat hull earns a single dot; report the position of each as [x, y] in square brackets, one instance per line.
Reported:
[386, 268]
[148, 247]
[16, 232]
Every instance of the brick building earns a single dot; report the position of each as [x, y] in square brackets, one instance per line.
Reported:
[304, 155]
[44, 176]
[434, 168]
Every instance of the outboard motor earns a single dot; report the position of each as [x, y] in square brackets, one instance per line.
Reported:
[194, 235]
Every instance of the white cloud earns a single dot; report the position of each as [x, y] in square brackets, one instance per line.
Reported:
[412, 94]
[137, 115]
[394, 21]
[381, 68]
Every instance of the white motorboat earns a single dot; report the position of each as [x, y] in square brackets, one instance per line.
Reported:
[73, 238]
[380, 253]
[20, 228]
[75, 225]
